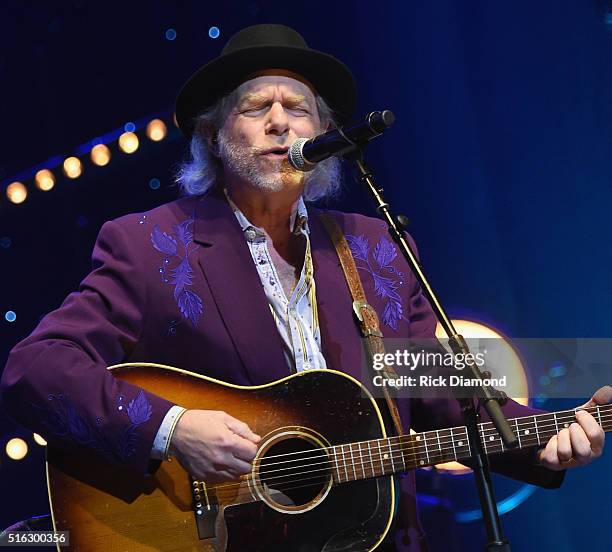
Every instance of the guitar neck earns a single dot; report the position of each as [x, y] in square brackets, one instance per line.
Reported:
[366, 459]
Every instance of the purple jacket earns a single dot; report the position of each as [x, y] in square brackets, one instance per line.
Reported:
[177, 286]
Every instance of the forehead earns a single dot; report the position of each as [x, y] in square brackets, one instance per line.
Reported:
[271, 85]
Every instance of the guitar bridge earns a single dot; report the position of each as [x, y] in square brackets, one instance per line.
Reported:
[205, 510]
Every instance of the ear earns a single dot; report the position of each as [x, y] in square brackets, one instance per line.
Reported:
[209, 136]
[213, 145]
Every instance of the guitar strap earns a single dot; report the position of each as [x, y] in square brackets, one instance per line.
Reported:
[365, 313]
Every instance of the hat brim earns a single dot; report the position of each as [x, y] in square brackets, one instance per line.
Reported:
[330, 77]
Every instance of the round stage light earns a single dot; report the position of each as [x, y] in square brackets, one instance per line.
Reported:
[156, 130]
[16, 192]
[73, 167]
[100, 155]
[10, 316]
[38, 439]
[508, 358]
[128, 142]
[44, 180]
[16, 449]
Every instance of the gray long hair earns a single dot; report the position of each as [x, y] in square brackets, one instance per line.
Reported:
[199, 173]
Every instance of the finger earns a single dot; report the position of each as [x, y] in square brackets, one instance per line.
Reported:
[564, 446]
[242, 429]
[581, 446]
[243, 449]
[602, 396]
[548, 456]
[239, 467]
[594, 433]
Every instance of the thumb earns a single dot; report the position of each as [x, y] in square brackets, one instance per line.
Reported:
[602, 396]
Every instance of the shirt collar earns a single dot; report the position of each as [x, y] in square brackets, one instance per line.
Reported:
[298, 221]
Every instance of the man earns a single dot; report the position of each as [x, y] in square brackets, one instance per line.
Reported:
[238, 281]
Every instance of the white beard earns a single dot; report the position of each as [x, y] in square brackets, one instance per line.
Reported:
[272, 175]
[247, 164]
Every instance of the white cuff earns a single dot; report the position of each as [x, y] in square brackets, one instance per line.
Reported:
[160, 443]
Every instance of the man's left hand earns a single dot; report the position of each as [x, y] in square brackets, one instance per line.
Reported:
[580, 443]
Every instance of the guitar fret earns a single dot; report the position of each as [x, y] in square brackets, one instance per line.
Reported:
[599, 415]
[453, 442]
[337, 465]
[382, 465]
[483, 438]
[371, 460]
[352, 459]
[535, 423]
[556, 424]
[346, 475]
[467, 439]
[439, 445]
[518, 432]
[361, 460]
[426, 451]
[401, 449]
[391, 455]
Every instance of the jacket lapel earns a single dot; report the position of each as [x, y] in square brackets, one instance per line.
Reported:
[228, 267]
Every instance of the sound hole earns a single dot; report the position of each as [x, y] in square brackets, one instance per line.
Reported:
[294, 471]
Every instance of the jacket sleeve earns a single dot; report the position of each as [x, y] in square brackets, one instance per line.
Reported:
[56, 381]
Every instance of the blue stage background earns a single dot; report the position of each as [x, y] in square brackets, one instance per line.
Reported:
[501, 156]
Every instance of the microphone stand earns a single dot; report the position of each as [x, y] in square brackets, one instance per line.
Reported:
[490, 398]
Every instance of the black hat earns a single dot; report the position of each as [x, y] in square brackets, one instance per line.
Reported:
[261, 47]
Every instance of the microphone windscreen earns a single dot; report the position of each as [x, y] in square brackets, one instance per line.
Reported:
[296, 156]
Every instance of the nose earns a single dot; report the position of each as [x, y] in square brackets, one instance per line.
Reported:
[278, 120]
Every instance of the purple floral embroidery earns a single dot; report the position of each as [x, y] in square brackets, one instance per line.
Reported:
[189, 303]
[385, 286]
[63, 420]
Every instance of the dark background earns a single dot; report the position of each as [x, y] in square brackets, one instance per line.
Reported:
[501, 156]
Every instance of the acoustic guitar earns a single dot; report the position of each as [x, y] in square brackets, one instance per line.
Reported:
[322, 479]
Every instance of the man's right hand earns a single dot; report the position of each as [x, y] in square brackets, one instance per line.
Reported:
[213, 446]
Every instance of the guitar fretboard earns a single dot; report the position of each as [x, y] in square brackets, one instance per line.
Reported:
[378, 457]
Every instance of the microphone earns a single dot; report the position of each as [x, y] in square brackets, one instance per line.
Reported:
[305, 153]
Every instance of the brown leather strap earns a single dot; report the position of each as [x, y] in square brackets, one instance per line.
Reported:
[366, 315]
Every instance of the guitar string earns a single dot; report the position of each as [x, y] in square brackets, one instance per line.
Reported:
[412, 440]
[394, 449]
[395, 454]
[315, 480]
[363, 463]
[570, 414]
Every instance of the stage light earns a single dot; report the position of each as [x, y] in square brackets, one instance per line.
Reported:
[170, 34]
[16, 192]
[16, 449]
[44, 180]
[73, 167]
[156, 130]
[512, 367]
[214, 32]
[10, 316]
[128, 142]
[154, 183]
[38, 439]
[100, 155]
[129, 127]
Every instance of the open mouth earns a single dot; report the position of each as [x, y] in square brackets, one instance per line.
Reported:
[275, 152]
